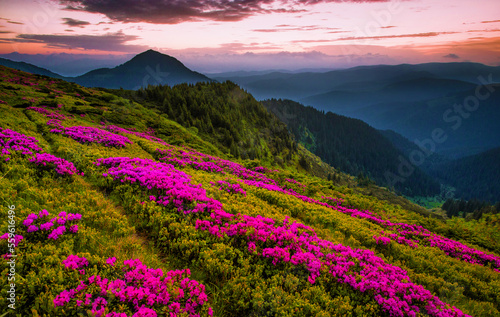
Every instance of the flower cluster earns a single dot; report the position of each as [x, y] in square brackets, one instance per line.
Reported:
[292, 243]
[12, 241]
[17, 237]
[185, 158]
[14, 141]
[148, 135]
[21, 81]
[299, 245]
[172, 186]
[143, 288]
[89, 135]
[47, 113]
[229, 187]
[411, 235]
[210, 163]
[53, 228]
[75, 262]
[333, 201]
[293, 181]
[62, 166]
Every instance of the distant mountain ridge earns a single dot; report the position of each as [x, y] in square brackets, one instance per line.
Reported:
[147, 68]
[412, 100]
[302, 85]
[29, 68]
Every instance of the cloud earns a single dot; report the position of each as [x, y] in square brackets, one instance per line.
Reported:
[493, 21]
[481, 31]
[5, 32]
[388, 27]
[479, 49]
[281, 60]
[75, 23]
[286, 28]
[173, 12]
[428, 34]
[452, 56]
[311, 41]
[15, 22]
[111, 42]
[240, 47]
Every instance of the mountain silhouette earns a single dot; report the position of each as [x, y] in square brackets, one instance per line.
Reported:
[147, 68]
[29, 68]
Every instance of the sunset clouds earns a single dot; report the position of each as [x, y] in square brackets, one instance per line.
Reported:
[212, 34]
[172, 12]
[75, 23]
[106, 42]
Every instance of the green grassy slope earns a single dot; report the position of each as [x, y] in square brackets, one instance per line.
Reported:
[125, 220]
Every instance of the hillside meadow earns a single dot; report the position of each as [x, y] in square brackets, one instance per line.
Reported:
[120, 211]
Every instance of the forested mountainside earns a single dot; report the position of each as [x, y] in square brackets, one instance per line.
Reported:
[114, 218]
[407, 147]
[350, 145]
[412, 100]
[473, 177]
[225, 115]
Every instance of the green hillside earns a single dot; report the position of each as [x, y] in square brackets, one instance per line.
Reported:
[352, 146]
[124, 212]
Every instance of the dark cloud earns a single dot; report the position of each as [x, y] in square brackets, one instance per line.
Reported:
[493, 21]
[177, 11]
[5, 32]
[15, 22]
[452, 56]
[108, 42]
[75, 23]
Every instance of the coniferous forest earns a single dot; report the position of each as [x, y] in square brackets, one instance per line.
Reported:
[350, 145]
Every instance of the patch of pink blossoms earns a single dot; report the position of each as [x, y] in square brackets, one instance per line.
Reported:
[139, 286]
[84, 135]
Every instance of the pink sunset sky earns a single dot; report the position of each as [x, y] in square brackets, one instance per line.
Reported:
[221, 35]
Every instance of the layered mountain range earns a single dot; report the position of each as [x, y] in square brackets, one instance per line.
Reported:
[402, 108]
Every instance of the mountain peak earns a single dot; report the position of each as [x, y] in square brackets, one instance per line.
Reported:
[152, 57]
[147, 68]
[151, 52]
